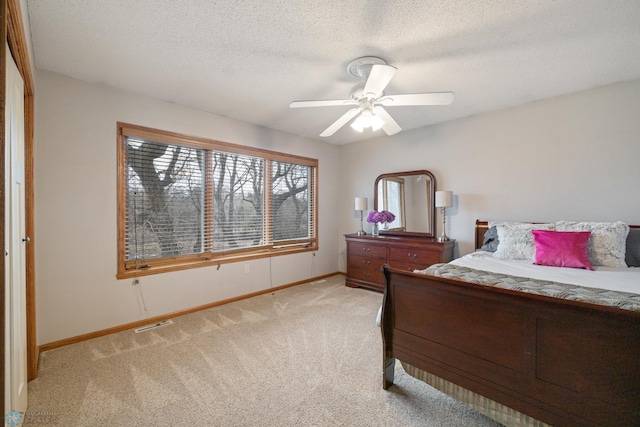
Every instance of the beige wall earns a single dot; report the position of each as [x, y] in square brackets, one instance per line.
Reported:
[75, 188]
[574, 157]
[571, 157]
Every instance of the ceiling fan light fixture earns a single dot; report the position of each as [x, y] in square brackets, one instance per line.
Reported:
[367, 119]
[377, 122]
[357, 126]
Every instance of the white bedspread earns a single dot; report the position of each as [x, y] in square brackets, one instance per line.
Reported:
[618, 279]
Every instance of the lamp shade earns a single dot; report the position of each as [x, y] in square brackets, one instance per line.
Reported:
[444, 199]
[361, 203]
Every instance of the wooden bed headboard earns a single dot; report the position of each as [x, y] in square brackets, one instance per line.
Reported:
[483, 226]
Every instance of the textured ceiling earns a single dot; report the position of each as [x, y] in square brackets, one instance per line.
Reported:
[248, 59]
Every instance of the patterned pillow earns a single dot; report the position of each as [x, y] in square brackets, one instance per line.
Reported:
[607, 243]
[516, 240]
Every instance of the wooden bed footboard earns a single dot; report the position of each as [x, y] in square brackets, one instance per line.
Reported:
[562, 362]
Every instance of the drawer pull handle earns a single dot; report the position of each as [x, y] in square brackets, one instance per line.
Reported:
[366, 262]
[366, 249]
[367, 275]
[412, 255]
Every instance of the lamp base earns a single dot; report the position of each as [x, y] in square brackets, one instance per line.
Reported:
[361, 232]
[443, 237]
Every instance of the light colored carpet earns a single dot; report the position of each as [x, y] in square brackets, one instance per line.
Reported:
[310, 355]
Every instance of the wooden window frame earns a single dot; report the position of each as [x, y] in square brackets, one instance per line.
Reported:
[131, 269]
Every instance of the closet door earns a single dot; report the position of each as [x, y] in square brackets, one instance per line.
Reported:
[15, 241]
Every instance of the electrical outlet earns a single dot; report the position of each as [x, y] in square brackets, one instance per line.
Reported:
[247, 268]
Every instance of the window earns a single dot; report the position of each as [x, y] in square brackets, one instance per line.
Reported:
[186, 202]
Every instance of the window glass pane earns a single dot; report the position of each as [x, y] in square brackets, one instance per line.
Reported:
[238, 201]
[164, 200]
[290, 202]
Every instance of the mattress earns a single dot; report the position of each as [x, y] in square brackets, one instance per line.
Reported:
[609, 278]
[613, 291]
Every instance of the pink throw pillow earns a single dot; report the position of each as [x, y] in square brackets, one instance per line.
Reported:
[562, 248]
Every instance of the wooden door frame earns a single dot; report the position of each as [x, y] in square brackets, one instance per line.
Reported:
[12, 30]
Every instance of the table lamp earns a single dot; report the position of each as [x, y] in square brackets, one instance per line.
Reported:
[444, 200]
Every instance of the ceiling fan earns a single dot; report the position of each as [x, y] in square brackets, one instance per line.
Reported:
[368, 98]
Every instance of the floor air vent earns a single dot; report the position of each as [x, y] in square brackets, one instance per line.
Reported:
[153, 326]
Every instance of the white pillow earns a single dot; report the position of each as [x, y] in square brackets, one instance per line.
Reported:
[607, 243]
[516, 240]
[493, 223]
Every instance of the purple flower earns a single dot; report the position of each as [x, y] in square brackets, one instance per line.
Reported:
[374, 216]
[389, 217]
[382, 216]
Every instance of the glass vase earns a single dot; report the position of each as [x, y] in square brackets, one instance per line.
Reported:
[374, 229]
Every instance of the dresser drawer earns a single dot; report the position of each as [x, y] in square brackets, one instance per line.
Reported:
[366, 263]
[418, 257]
[365, 249]
[367, 275]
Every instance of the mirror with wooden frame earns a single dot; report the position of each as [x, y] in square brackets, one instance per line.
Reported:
[410, 196]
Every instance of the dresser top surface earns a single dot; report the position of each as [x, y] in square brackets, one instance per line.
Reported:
[382, 239]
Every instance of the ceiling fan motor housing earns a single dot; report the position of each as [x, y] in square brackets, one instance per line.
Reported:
[361, 67]
[357, 93]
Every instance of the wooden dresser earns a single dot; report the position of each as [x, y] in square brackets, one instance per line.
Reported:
[366, 255]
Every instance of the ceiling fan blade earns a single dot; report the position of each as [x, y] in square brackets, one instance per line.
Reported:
[390, 127]
[322, 103]
[344, 119]
[379, 78]
[433, 98]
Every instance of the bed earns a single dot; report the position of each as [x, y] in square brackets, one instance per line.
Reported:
[524, 351]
